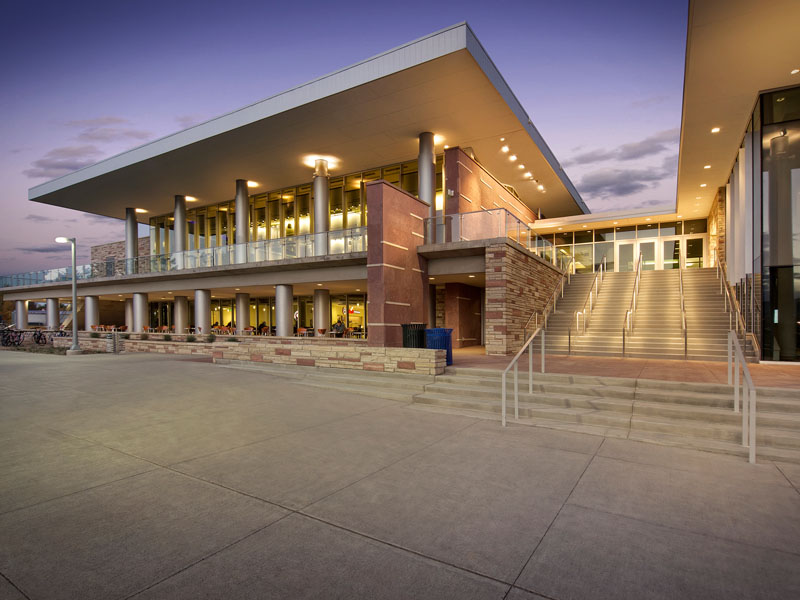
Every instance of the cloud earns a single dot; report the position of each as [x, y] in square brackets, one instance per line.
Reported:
[619, 182]
[113, 134]
[100, 219]
[654, 144]
[61, 161]
[186, 121]
[657, 143]
[649, 101]
[55, 249]
[98, 122]
[44, 219]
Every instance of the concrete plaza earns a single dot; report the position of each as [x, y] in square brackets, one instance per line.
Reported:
[150, 477]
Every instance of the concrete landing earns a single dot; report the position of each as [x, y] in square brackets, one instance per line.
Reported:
[141, 476]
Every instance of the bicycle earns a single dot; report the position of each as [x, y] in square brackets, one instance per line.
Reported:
[41, 337]
[11, 337]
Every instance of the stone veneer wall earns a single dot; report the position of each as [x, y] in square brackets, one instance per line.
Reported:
[440, 296]
[397, 278]
[116, 250]
[716, 227]
[474, 188]
[517, 284]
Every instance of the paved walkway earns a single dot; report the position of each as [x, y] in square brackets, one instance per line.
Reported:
[144, 477]
[764, 374]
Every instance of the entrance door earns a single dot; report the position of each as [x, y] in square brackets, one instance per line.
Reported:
[671, 253]
[625, 259]
[648, 252]
[695, 252]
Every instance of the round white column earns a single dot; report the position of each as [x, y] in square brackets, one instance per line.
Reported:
[284, 315]
[91, 312]
[322, 311]
[202, 311]
[180, 237]
[21, 321]
[53, 314]
[242, 312]
[321, 209]
[242, 234]
[426, 173]
[181, 314]
[129, 313]
[131, 240]
[140, 312]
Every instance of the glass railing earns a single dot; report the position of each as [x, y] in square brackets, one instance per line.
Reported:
[302, 246]
[492, 224]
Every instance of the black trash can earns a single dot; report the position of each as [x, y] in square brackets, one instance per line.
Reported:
[413, 335]
[441, 339]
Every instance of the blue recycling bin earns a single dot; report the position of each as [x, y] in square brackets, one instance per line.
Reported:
[440, 338]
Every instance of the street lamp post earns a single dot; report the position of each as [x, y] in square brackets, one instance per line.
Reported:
[75, 349]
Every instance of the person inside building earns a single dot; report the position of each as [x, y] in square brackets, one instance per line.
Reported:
[338, 327]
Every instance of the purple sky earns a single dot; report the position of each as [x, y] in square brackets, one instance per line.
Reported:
[602, 81]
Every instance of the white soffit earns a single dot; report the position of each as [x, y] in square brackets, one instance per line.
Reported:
[367, 115]
[735, 49]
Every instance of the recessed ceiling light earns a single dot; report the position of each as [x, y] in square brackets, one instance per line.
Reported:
[473, 276]
[794, 71]
[615, 222]
[358, 289]
[541, 187]
[169, 292]
[560, 228]
[438, 139]
[715, 130]
[140, 210]
[584, 226]
[703, 184]
[520, 166]
[781, 99]
[706, 166]
[446, 146]
[512, 158]
[527, 174]
[237, 289]
[120, 295]
[319, 285]
[190, 198]
[502, 139]
[504, 149]
[252, 183]
[680, 216]
[431, 278]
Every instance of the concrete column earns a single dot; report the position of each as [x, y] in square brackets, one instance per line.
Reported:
[129, 313]
[242, 221]
[426, 172]
[140, 312]
[131, 240]
[202, 311]
[91, 312]
[242, 312]
[321, 207]
[180, 237]
[181, 314]
[21, 321]
[322, 311]
[284, 315]
[53, 314]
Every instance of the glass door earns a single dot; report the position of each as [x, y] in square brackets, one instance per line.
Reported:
[648, 252]
[671, 252]
[695, 252]
[625, 260]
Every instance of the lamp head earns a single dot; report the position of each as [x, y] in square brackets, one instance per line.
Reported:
[62, 240]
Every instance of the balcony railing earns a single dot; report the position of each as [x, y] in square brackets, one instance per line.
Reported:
[490, 224]
[301, 246]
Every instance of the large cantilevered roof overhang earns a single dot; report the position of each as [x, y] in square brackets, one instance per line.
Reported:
[734, 50]
[366, 115]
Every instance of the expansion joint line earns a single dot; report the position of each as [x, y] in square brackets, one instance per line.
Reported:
[14, 585]
[560, 508]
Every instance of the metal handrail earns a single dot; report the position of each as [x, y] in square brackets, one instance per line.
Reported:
[736, 320]
[515, 363]
[684, 328]
[634, 295]
[736, 360]
[594, 289]
[552, 303]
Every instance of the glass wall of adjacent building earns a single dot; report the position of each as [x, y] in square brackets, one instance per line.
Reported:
[671, 245]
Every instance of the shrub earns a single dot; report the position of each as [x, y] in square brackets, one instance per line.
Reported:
[231, 339]
[126, 336]
[94, 334]
[210, 338]
[167, 337]
[190, 338]
[144, 336]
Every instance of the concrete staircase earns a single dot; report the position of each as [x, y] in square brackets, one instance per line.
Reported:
[657, 331]
[690, 415]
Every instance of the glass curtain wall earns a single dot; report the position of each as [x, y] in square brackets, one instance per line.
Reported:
[288, 212]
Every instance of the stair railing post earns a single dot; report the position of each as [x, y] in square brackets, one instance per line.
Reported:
[730, 359]
[745, 414]
[752, 428]
[623, 341]
[736, 383]
[503, 401]
[530, 367]
[516, 390]
[542, 351]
